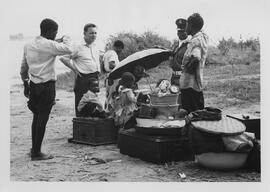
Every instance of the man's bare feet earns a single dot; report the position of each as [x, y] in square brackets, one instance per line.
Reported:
[40, 156]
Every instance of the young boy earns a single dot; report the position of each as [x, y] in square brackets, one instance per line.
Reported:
[90, 104]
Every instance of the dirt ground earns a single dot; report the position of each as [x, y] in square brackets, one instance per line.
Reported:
[75, 162]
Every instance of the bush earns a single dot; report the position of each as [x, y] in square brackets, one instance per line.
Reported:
[232, 52]
[134, 42]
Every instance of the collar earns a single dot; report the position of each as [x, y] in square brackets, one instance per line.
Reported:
[187, 39]
[184, 41]
[197, 34]
[87, 45]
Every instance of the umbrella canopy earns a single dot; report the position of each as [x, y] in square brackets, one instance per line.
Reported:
[148, 58]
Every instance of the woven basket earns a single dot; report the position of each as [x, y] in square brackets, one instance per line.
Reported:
[169, 99]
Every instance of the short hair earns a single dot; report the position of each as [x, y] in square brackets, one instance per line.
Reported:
[48, 25]
[119, 44]
[127, 79]
[88, 26]
[196, 21]
[138, 72]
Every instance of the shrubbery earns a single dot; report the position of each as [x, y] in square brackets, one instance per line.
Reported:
[231, 52]
[134, 42]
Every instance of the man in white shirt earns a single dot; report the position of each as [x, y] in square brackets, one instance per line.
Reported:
[86, 59]
[38, 65]
[111, 57]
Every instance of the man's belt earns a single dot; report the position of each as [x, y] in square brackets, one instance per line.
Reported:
[177, 73]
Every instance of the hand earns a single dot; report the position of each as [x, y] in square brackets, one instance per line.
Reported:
[76, 71]
[60, 40]
[26, 90]
[192, 65]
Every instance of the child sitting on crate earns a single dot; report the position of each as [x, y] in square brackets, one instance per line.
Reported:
[90, 104]
[126, 102]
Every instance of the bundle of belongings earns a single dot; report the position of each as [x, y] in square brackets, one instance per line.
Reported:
[220, 142]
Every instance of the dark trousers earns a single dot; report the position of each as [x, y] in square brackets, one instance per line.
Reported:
[41, 100]
[192, 100]
[81, 87]
[89, 110]
[175, 79]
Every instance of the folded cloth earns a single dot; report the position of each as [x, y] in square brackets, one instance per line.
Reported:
[206, 114]
[239, 143]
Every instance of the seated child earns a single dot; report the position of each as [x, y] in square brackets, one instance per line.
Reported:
[126, 102]
[90, 104]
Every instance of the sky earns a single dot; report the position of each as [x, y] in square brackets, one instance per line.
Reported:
[227, 18]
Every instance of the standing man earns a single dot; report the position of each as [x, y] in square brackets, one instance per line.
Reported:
[179, 51]
[38, 65]
[111, 57]
[86, 59]
[110, 61]
[192, 65]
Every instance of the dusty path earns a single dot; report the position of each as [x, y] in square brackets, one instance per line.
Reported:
[73, 162]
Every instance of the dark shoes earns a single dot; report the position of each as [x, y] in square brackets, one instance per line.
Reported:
[40, 156]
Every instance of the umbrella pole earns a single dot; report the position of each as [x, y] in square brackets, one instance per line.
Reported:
[149, 83]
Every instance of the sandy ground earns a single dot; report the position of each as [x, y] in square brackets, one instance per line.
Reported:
[73, 162]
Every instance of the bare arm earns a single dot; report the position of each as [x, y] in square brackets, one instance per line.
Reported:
[24, 74]
[131, 96]
[192, 65]
[24, 67]
[66, 61]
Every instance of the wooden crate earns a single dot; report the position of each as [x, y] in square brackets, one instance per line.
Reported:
[155, 149]
[94, 131]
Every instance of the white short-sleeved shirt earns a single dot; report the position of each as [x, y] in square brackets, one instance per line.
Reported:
[109, 56]
[86, 58]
